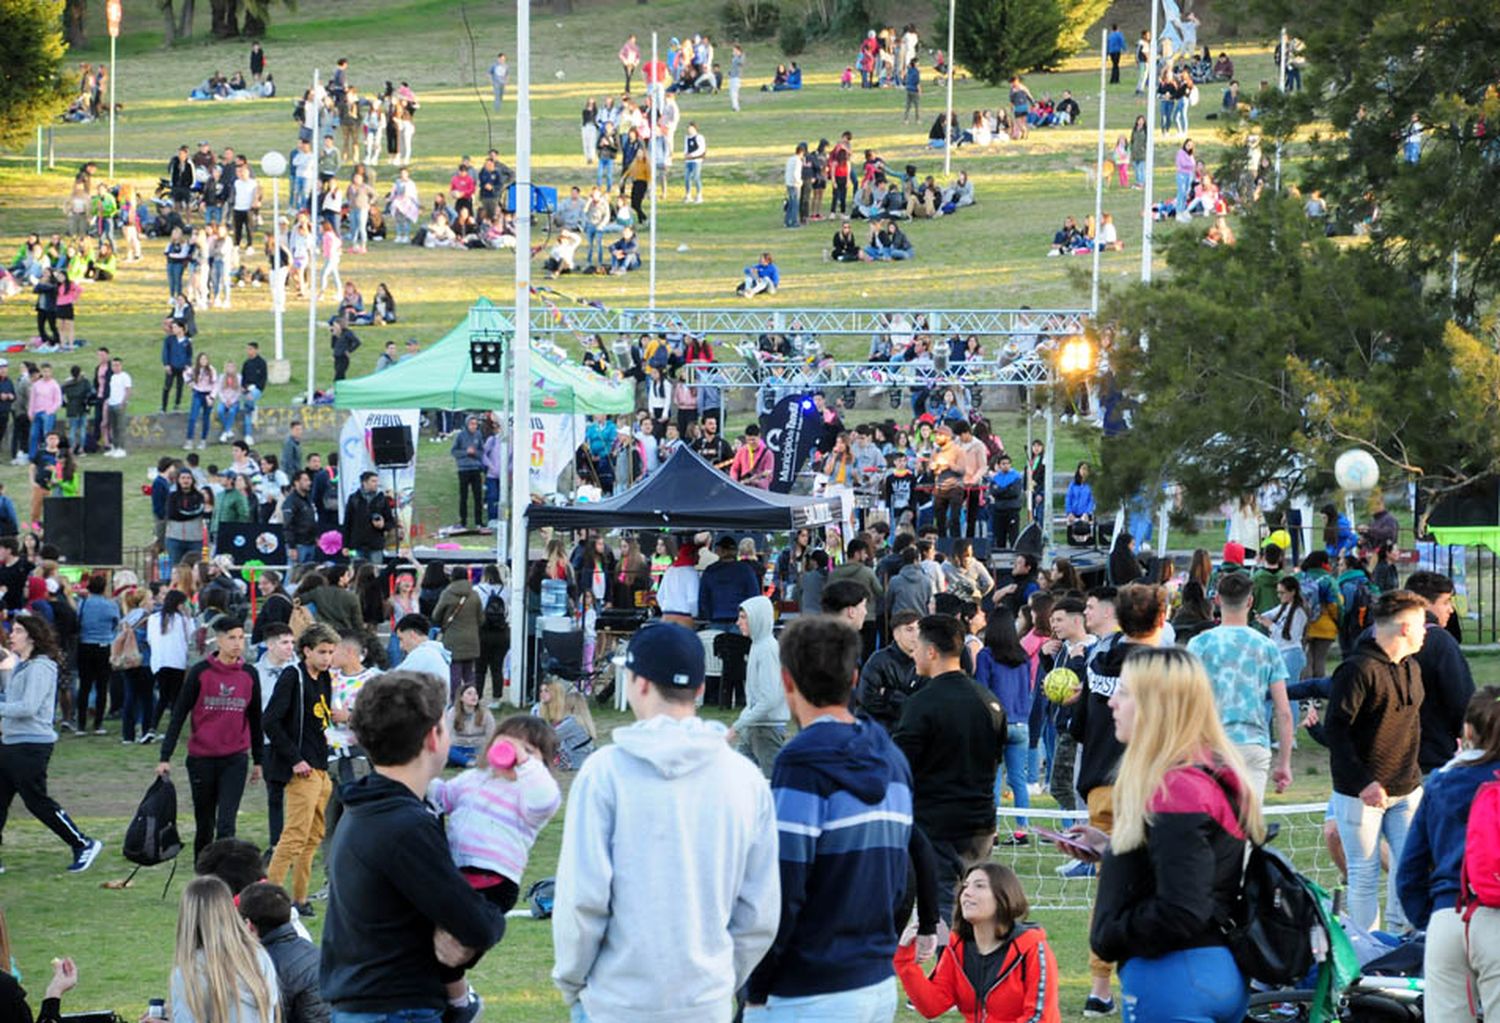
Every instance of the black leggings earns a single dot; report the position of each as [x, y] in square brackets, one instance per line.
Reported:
[242, 223]
[46, 319]
[93, 674]
[840, 202]
[166, 388]
[168, 683]
[23, 772]
[471, 487]
[503, 895]
[638, 198]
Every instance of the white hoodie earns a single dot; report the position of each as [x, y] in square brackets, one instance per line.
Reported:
[668, 885]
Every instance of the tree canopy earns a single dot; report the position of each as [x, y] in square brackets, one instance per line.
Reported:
[995, 39]
[32, 90]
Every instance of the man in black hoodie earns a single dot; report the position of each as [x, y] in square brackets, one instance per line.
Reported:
[889, 677]
[953, 734]
[1141, 611]
[397, 906]
[1447, 682]
[1374, 735]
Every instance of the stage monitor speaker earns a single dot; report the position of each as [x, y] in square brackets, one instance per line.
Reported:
[391, 447]
[981, 546]
[62, 518]
[103, 513]
[1030, 541]
[1477, 505]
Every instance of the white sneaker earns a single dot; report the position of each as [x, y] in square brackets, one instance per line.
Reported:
[249, 439]
[225, 437]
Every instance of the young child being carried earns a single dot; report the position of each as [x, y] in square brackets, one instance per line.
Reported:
[495, 812]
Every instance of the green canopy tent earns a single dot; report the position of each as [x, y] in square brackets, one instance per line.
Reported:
[441, 378]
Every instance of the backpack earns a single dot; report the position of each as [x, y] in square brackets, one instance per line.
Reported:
[125, 651]
[541, 895]
[1313, 594]
[1355, 595]
[1480, 885]
[300, 619]
[152, 836]
[495, 620]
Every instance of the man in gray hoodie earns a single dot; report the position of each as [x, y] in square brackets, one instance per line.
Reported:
[668, 884]
[910, 589]
[468, 455]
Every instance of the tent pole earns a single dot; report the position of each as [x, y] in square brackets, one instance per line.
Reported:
[520, 479]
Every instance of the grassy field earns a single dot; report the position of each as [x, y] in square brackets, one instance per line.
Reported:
[993, 255]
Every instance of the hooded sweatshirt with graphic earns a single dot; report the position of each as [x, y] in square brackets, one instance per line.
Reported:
[765, 700]
[844, 809]
[668, 892]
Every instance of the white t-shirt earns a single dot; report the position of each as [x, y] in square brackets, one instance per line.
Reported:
[244, 194]
[119, 388]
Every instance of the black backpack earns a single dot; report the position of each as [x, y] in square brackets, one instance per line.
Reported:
[495, 621]
[152, 835]
[1277, 915]
[540, 896]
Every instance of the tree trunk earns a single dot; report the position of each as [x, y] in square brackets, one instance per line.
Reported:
[562, 6]
[225, 20]
[253, 28]
[169, 28]
[74, 24]
[185, 20]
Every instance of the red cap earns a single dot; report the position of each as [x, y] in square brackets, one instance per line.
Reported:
[1234, 553]
[926, 417]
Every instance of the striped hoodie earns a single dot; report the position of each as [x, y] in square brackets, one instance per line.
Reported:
[843, 810]
[492, 821]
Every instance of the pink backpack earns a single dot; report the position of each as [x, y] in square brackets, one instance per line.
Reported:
[1481, 870]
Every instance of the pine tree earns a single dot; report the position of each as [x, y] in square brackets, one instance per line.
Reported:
[32, 91]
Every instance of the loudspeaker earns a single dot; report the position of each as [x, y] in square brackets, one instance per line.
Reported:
[981, 546]
[390, 447]
[103, 513]
[63, 526]
[1476, 505]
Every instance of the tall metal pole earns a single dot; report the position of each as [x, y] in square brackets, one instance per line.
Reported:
[520, 475]
[948, 117]
[1048, 460]
[111, 105]
[1099, 172]
[653, 95]
[1281, 87]
[317, 239]
[278, 301]
[1151, 108]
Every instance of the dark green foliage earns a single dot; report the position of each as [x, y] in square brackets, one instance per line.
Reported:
[32, 91]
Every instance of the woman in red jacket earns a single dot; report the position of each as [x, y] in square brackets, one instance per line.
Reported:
[999, 968]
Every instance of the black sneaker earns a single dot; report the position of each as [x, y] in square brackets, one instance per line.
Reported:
[84, 858]
[465, 1013]
[1095, 1008]
[305, 910]
[1016, 838]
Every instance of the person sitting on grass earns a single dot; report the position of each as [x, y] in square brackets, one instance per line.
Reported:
[1068, 239]
[267, 909]
[13, 998]
[1067, 108]
[959, 194]
[219, 971]
[760, 277]
[926, 199]
[845, 245]
[1108, 239]
[869, 200]
[625, 253]
[887, 243]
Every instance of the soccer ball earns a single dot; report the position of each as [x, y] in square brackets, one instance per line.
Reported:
[1356, 470]
[1060, 684]
[561, 74]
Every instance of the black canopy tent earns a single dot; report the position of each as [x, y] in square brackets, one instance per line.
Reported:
[687, 493]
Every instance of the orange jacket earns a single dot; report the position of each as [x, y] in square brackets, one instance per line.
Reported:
[1026, 991]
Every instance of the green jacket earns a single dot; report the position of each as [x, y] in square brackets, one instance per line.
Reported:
[1263, 587]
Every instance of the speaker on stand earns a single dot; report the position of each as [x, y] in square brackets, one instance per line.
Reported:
[391, 447]
[63, 526]
[103, 512]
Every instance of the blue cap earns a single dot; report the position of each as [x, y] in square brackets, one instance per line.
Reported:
[667, 654]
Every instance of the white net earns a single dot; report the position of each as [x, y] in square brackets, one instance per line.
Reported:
[1299, 836]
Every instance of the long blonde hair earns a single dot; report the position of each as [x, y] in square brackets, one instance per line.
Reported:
[216, 956]
[566, 702]
[1176, 725]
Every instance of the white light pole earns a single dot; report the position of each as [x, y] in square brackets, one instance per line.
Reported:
[520, 463]
[1151, 106]
[948, 116]
[1281, 86]
[316, 102]
[273, 166]
[1099, 174]
[112, 21]
[654, 95]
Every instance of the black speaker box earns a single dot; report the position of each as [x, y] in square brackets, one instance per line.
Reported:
[1475, 505]
[391, 447]
[63, 526]
[103, 514]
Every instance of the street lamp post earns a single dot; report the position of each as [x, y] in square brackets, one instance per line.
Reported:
[112, 21]
[273, 165]
[520, 408]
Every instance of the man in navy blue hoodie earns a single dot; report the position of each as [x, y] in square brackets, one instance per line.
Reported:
[843, 807]
[397, 906]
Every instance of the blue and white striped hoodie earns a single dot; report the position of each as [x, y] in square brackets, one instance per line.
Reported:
[843, 813]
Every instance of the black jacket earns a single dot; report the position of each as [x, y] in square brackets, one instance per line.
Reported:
[361, 508]
[13, 1007]
[1447, 687]
[253, 373]
[300, 518]
[886, 681]
[294, 722]
[1175, 891]
[953, 734]
[1373, 727]
[392, 882]
[1093, 723]
[296, 961]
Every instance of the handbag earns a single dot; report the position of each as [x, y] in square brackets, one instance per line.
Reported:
[125, 651]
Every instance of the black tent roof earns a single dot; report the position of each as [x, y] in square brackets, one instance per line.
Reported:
[688, 493]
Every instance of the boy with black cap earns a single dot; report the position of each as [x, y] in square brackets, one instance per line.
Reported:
[688, 826]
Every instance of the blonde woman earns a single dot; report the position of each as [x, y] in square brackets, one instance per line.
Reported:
[567, 711]
[1172, 864]
[220, 974]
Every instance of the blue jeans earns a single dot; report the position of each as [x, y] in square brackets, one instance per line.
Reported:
[394, 1016]
[199, 406]
[491, 498]
[175, 270]
[307, 553]
[1194, 985]
[138, 700]
[1361, 828]
[692, 175]
[793, 209]
[1017, 744]
[77, 431]
[213, 215]
[873, 1004]
[1139, 167]
[604, 176]
[1166, 115]
[41, 424]
[1184, 185]
[594, 238]
[1180, 115]
[359, 224]
[179, 549]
